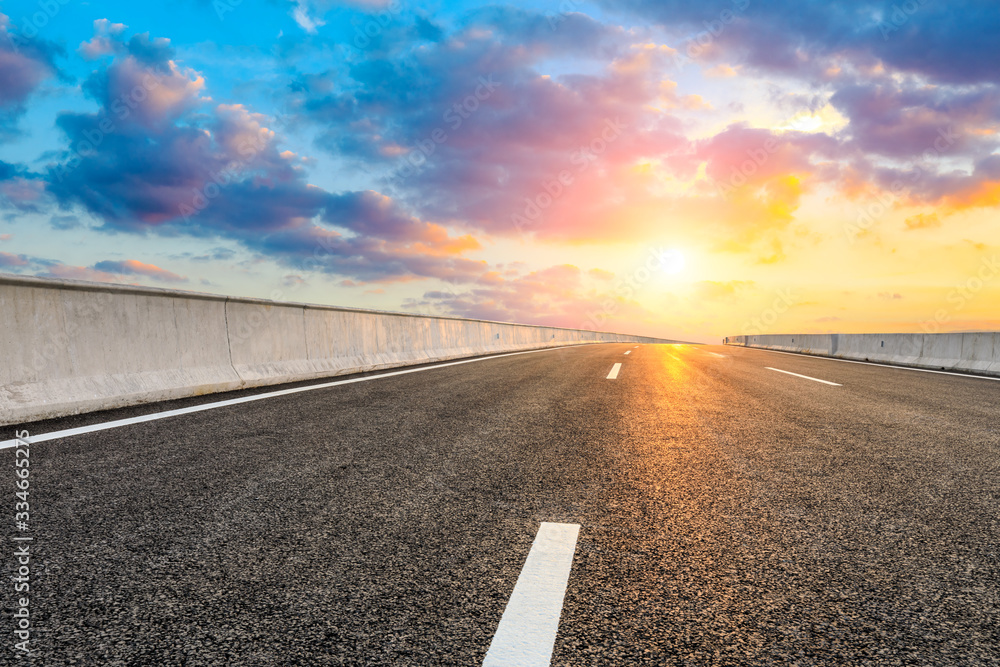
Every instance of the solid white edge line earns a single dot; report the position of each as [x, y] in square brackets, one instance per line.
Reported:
[527, 631]
[613, 375]
[805, 377]
[871, 363]
[7, 444]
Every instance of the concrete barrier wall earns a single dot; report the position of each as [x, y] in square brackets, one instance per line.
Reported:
[68, 347]
[964, 352]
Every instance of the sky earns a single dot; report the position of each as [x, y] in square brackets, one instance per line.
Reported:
[688, 170]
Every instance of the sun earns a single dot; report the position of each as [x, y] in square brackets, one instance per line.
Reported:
[672, 261]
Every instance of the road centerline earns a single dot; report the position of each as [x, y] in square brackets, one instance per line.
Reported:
[613, 375]
[527, 631]
[804, 377]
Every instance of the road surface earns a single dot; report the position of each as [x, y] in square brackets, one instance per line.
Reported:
[822, 512]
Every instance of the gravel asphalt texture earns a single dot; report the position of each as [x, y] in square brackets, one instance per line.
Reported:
[730, 515]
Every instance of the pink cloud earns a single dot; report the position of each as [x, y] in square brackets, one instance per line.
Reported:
[67, 272]
[103, 42]
[8, 260]
[133, 267]
[559, 296]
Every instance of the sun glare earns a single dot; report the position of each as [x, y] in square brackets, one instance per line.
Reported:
[672, 261]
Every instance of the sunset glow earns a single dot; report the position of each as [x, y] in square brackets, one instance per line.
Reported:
[692, 162]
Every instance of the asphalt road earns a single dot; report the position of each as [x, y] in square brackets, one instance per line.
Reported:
[729, 515]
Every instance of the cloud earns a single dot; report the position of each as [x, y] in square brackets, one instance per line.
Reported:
[727, 292]
[108, 271]
[565, 34]
[554, 157]
[922, 221]
[64, 222]
[947, 43]
[167, 164]
[722, 71]
[301, 15]
[560, 296]
[9, 261]
[133, 267]
[739, 155]
[910, 121]
[218, 254]
[20, 189]
[103, 42]
[24, 64]
[745, 184]
[467, 130]
[68, 272]
[508, 122]
[950, 190]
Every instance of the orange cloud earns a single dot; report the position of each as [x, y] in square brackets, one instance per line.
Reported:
[923, 221]
[133, 267]
[985, 194]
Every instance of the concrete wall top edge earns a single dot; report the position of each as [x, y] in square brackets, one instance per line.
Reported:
[89, 286]
[867, 333]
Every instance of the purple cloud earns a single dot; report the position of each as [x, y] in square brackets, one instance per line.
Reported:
[133, 267]
[951, 42]
[467, 128]
[24, 64]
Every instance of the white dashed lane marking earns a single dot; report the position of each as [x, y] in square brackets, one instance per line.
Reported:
[528, 627]
[804, 377]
